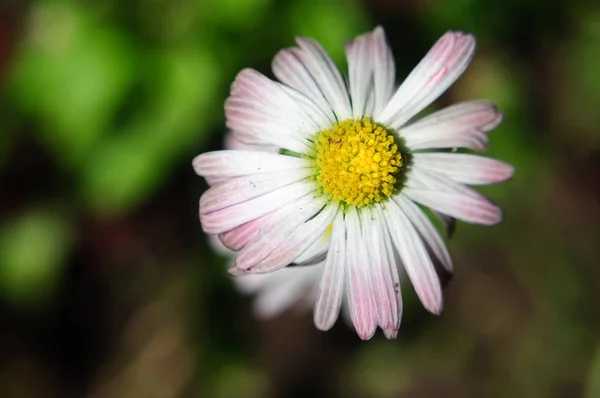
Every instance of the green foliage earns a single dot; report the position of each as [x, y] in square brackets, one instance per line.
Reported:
[33, 249]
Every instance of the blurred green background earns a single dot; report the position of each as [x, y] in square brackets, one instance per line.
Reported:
[108, 287]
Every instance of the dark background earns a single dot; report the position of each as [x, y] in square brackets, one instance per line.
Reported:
[108, 288]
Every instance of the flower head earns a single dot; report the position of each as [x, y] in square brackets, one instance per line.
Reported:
[348, 161]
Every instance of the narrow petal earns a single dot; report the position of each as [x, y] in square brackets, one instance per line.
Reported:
[384, 72]
[384, 274]
[360, 295]
[426, 230]
[459, 126]
[289, 69]
[263, 112]
[318, 251]
[331, 287]
[451, 198]
[240, 189]
[298, 241]
[371, 73]
[241, 163]
[232, 142]
[360, 70]
[464, 168]
[239, 237]
[232, 217]
[288, 64]
[442, 65]
[278, 230]
[414, 256]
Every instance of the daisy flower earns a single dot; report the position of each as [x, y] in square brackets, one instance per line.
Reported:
[351, 159]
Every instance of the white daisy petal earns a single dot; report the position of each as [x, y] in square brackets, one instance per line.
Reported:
[358, 277]
[325, 74]
[318, 250]
[453, 199]
[360, 70]
[276, 232]
[240, 189]
[461, 125]
[442, 65]
[414, 256]
[263, 112]
[426, 230]
[464, 168]
[331, 287]
[289, 69]
[239, 237]
[385, 282]
[240, 163]
[298, 241]
[384, 73]
[226, 219]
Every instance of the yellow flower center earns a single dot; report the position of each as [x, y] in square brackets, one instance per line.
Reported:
[358, 162]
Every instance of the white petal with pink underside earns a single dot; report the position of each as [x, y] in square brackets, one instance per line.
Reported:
[464, 168]
[358, 278]
[461, 125]
[442, 65]
[414, 256]
[331, 287]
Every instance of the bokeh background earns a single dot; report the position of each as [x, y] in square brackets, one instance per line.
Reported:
[108, 288]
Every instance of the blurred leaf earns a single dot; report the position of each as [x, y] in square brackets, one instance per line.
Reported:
[6, 137]
[70, 75]
[241, 14]
[593, 387]
[182, 109]
[33, 250]
[240, 380]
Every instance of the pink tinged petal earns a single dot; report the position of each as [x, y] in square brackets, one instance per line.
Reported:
[453, 199]
[325, 74]
[414, 256]
[385, 282]
[212, 181]
[289, 69]
[239, 237]
[331, 287]
[240, 189]
[464, 168]
[262, 109]
[256, 128]
[459, 126]
[241, 163]
[360, 70]
[226, 219]
[384, 73]
[360, 296]
[426, 229]
[298, 241]
[442, 65]
[231, 141]
[317, 251]
[321, 118]
[278, 230]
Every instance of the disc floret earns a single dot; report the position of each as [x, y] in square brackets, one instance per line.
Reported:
[358, 162]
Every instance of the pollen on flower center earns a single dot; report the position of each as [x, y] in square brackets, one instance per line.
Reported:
[358, 162]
